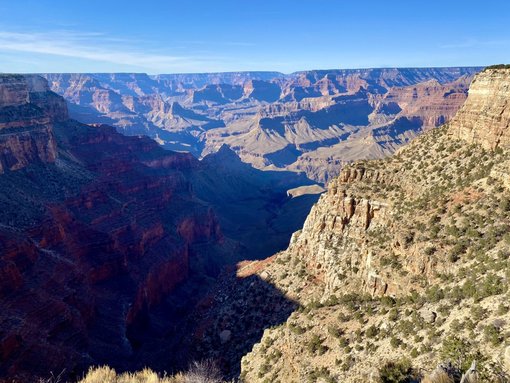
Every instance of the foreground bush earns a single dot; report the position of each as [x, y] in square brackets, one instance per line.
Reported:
[199, 372]
[397, 372]
[106, 374]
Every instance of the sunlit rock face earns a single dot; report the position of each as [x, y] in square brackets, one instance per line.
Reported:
[485, 116]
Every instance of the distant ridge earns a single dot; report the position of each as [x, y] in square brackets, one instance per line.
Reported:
[308, 121]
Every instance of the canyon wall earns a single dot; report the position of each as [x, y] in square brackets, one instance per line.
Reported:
[96, 229]
[484, 118]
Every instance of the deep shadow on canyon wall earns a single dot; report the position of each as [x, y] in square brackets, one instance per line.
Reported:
[122, 273]
[222, 326]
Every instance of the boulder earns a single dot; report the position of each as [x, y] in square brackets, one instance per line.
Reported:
[428, 315]
[225, 336]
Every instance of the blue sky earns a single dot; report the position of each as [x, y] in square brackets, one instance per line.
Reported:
[204, 36]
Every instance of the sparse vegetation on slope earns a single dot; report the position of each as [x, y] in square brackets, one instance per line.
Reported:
[402, 266]
[498, 66]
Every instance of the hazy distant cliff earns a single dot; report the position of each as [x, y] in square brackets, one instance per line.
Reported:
[312, 122]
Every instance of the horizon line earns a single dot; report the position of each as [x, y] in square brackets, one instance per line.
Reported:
[265, 71]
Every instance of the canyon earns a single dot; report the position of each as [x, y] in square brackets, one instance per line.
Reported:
[310, 122]
[98, 230]
[203, 232]
[401, 268]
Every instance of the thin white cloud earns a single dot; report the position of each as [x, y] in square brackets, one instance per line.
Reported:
[220, 43]
[93, 46]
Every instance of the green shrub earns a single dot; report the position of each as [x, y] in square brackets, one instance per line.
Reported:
[296, 329]
[315, 345]
[335, 331]
[460, 352]
[397, 372]
[492, 334]
[372, 332]
[395, 342]
[393, 315]
[320, 373]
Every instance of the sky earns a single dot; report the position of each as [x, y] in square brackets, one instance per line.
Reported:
[167, 36]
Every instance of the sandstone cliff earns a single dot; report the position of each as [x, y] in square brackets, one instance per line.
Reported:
[27, 111]
[485, 116]
[402, 258]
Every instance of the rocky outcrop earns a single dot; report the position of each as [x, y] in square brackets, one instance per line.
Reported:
[13, 90]
[23, 147]
[358, 173]
[485, 117]
[26, 100]
[28, 110]
[332, 241]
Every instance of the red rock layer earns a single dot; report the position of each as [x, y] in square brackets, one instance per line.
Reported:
[73, 283]
[28, 110]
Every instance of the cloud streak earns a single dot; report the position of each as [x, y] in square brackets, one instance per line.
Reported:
[95, 47]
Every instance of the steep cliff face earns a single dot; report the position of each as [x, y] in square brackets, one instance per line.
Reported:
[20, 148]
[431, 102]
[97, 229]
[96, 248]
[402, 258]
[27, 100]
[485, 117]
[27, 111]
